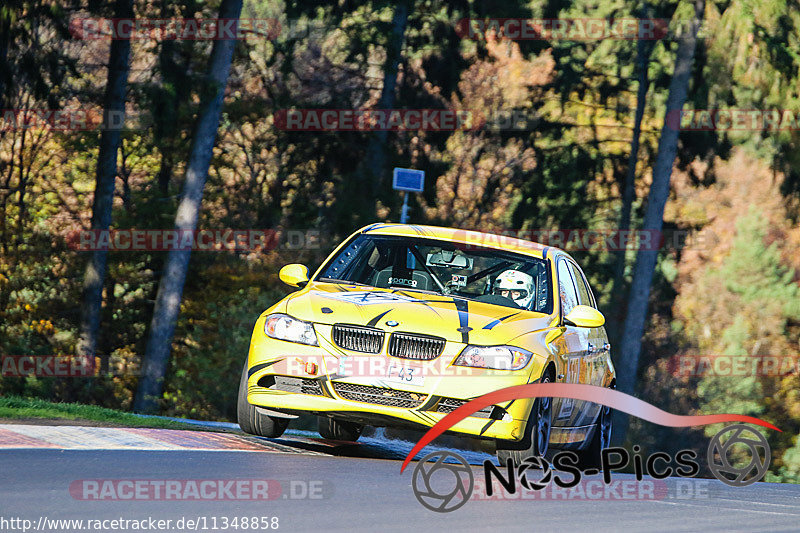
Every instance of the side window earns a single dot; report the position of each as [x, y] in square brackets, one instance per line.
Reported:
[542, 286]
[584, 296]
[566, 288]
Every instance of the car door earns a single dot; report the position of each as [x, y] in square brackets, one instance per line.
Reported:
[573, 345]
[593, 362]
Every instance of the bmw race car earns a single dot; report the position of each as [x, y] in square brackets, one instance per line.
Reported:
[402, 324]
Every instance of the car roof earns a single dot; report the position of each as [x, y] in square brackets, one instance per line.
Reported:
[468, 237]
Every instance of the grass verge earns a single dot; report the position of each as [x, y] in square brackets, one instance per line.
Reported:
[19, 408]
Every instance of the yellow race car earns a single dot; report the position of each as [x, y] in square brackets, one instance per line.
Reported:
[402, 324]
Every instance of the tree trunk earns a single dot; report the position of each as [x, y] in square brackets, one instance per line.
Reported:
[91, 300]
[5, 39]
[375, 160]
[170, 289]
[628, 360]
[177, 78]
[644, 49]
[166, 123]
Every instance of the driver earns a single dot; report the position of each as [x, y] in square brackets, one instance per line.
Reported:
[515, 285]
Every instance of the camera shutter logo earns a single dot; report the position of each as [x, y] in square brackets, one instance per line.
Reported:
[440, 486]
[720, 463]
[536, 463]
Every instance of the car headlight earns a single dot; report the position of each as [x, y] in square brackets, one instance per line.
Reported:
[499, 357]
[286, 328]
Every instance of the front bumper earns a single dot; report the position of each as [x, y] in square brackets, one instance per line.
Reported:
[327, 380]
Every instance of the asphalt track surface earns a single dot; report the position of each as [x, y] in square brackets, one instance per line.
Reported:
[331, 486]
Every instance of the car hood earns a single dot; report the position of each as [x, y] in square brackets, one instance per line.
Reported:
[455, 319]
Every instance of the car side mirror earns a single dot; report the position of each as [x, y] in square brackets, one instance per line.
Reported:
[294, 275]
[584, 316]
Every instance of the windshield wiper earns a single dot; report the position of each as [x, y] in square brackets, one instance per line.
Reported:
[424, 291]
[344, 282]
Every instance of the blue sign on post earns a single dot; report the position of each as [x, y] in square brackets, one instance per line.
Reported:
[408, 179]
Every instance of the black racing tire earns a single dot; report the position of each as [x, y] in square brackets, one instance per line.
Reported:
[537, 433]
[591, 456]
[333, 429]
[253, 422]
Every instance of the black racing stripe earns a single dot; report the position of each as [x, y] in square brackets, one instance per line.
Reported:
[326, 385]
[330, 346]
[423, 416]
[370, 227]
[487, 426]
[260, 366]
[374, 320]
[423, 302]
[379, 225]
[493, 323]
[462, 306]
[429, 306]
[422, 231]
[429, 403]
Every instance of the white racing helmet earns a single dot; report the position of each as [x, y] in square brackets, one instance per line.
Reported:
[515, 285]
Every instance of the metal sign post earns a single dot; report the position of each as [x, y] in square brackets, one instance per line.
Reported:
[407, 180]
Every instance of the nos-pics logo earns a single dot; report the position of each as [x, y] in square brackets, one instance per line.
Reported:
[443, 481]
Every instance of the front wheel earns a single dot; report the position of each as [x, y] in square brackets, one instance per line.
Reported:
[333, 429]
[253, 422]
[537, 433]
[590, 457]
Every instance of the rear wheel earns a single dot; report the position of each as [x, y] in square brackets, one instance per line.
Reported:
[253, 422]
[537, 433]
[590, 457]
[333, 429]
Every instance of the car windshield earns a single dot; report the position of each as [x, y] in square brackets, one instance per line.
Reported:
[473, 273]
